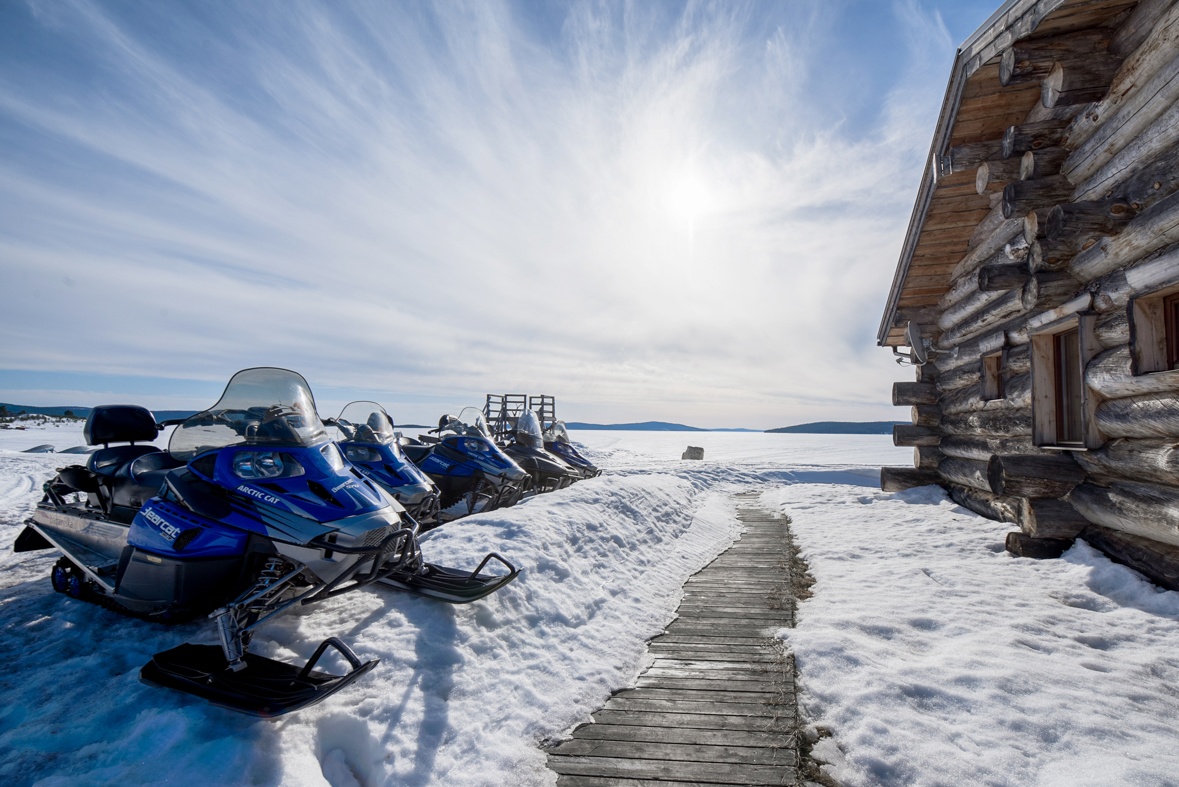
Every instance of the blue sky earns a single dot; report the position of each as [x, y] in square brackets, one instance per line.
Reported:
[652, 210]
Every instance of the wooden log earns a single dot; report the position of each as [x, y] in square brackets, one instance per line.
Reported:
[1048, 289]
[1000, 278]
[991, 243]
[1079, 81]
[968, 353]
[994, 175]
[1153, 461]
[1048, 517]
[1017, 393]
[974, 303]
[983, 447]
[1149, 415]
[1006, 306]
[1019, 139]
[925, 316]
[1035, 224]
[1016, 250]
[926, 457]
[913, 393]
[1020, 196]
[1031, 61]
[925, 414]
[995, 423]
[1152, 182]
[959, 378]
[1113, 328]
[898, 479]
[1033, 475]
[1023, 545]
[911, 435]
[1141, 28]
[926, 372]
[1155, 560]
[1056, 255]
[1155, 229]
[1042, 163]
[1020, 333]
[1088, 219]
[1112, 375]
[1110, 124]
[1161, 135]
[1146, 510]
[970, 155]
[984, 503]
[1159, 271]
[1018, 360]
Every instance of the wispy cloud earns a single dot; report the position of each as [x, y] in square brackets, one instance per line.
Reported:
[646, 209]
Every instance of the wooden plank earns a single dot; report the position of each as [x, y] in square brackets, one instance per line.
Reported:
[714, 773]
[703, 706]
[681, 752]
[704, 721]
[683, 735]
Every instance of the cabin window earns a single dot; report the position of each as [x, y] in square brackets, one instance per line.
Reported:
[993, 370]
[1061, 404]
[1154, 331]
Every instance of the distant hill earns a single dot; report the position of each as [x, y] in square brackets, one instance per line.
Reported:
[82, 412]
[839, 427]
[645, 426]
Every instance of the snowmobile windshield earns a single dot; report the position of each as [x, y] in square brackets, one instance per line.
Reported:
[528, 430]
[365, 422]
[556, 433]
[262, 406]
[472, 419]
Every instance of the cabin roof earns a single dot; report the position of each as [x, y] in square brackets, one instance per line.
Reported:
[976, 108]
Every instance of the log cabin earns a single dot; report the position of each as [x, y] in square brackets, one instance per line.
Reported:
[1037, 291]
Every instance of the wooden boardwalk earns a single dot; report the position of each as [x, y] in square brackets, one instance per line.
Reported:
[717, 706]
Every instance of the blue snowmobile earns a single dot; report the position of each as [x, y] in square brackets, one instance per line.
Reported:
[250, 512]
[556, 441]
[472, 472]
[525, 444]
[367, 437]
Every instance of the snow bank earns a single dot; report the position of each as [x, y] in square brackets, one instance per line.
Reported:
[937, 658]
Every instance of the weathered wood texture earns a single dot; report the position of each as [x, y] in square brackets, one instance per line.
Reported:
[1079, 81]
[926, 457]
[1049, 517]
[988, 504]
[1155, 229]
[1038, 475]
[910, 435]
[913, 393]
[1157, 562]
[1147, 510]
[1155, 461]
[898, 479]
[717, 705]
[1031, 61]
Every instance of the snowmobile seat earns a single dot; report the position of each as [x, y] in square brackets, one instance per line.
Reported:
[119, 423]
[140, 480]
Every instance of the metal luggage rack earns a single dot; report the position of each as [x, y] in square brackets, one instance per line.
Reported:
[503, 410]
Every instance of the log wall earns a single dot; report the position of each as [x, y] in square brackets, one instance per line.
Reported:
[1084, 222]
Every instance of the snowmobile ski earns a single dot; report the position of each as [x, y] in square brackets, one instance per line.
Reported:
[453, 585]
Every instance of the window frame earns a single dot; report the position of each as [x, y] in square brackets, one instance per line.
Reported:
[1154, 332]
[1047, 389]
[993, 371]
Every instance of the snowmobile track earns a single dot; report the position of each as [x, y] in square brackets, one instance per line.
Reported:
[718, 704]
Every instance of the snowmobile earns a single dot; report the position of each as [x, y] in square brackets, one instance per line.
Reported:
[556, 441]
[526, 446]
[250, 512]
[367, 437]
[471, 471]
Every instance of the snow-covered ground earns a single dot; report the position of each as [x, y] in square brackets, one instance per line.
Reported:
[932, 655]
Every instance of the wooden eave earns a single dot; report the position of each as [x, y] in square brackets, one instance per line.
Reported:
[976, 108]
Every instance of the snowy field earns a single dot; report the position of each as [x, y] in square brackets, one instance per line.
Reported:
[932, 656]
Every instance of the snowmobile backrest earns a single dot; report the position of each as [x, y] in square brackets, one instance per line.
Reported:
[120, 423]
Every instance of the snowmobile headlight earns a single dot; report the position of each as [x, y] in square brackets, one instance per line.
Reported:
[361, 453]
[265, 464]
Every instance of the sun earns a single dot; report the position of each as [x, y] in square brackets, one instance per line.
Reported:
[688, 198]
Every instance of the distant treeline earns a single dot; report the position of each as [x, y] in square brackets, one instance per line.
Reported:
[82, 412]
[839, 427]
